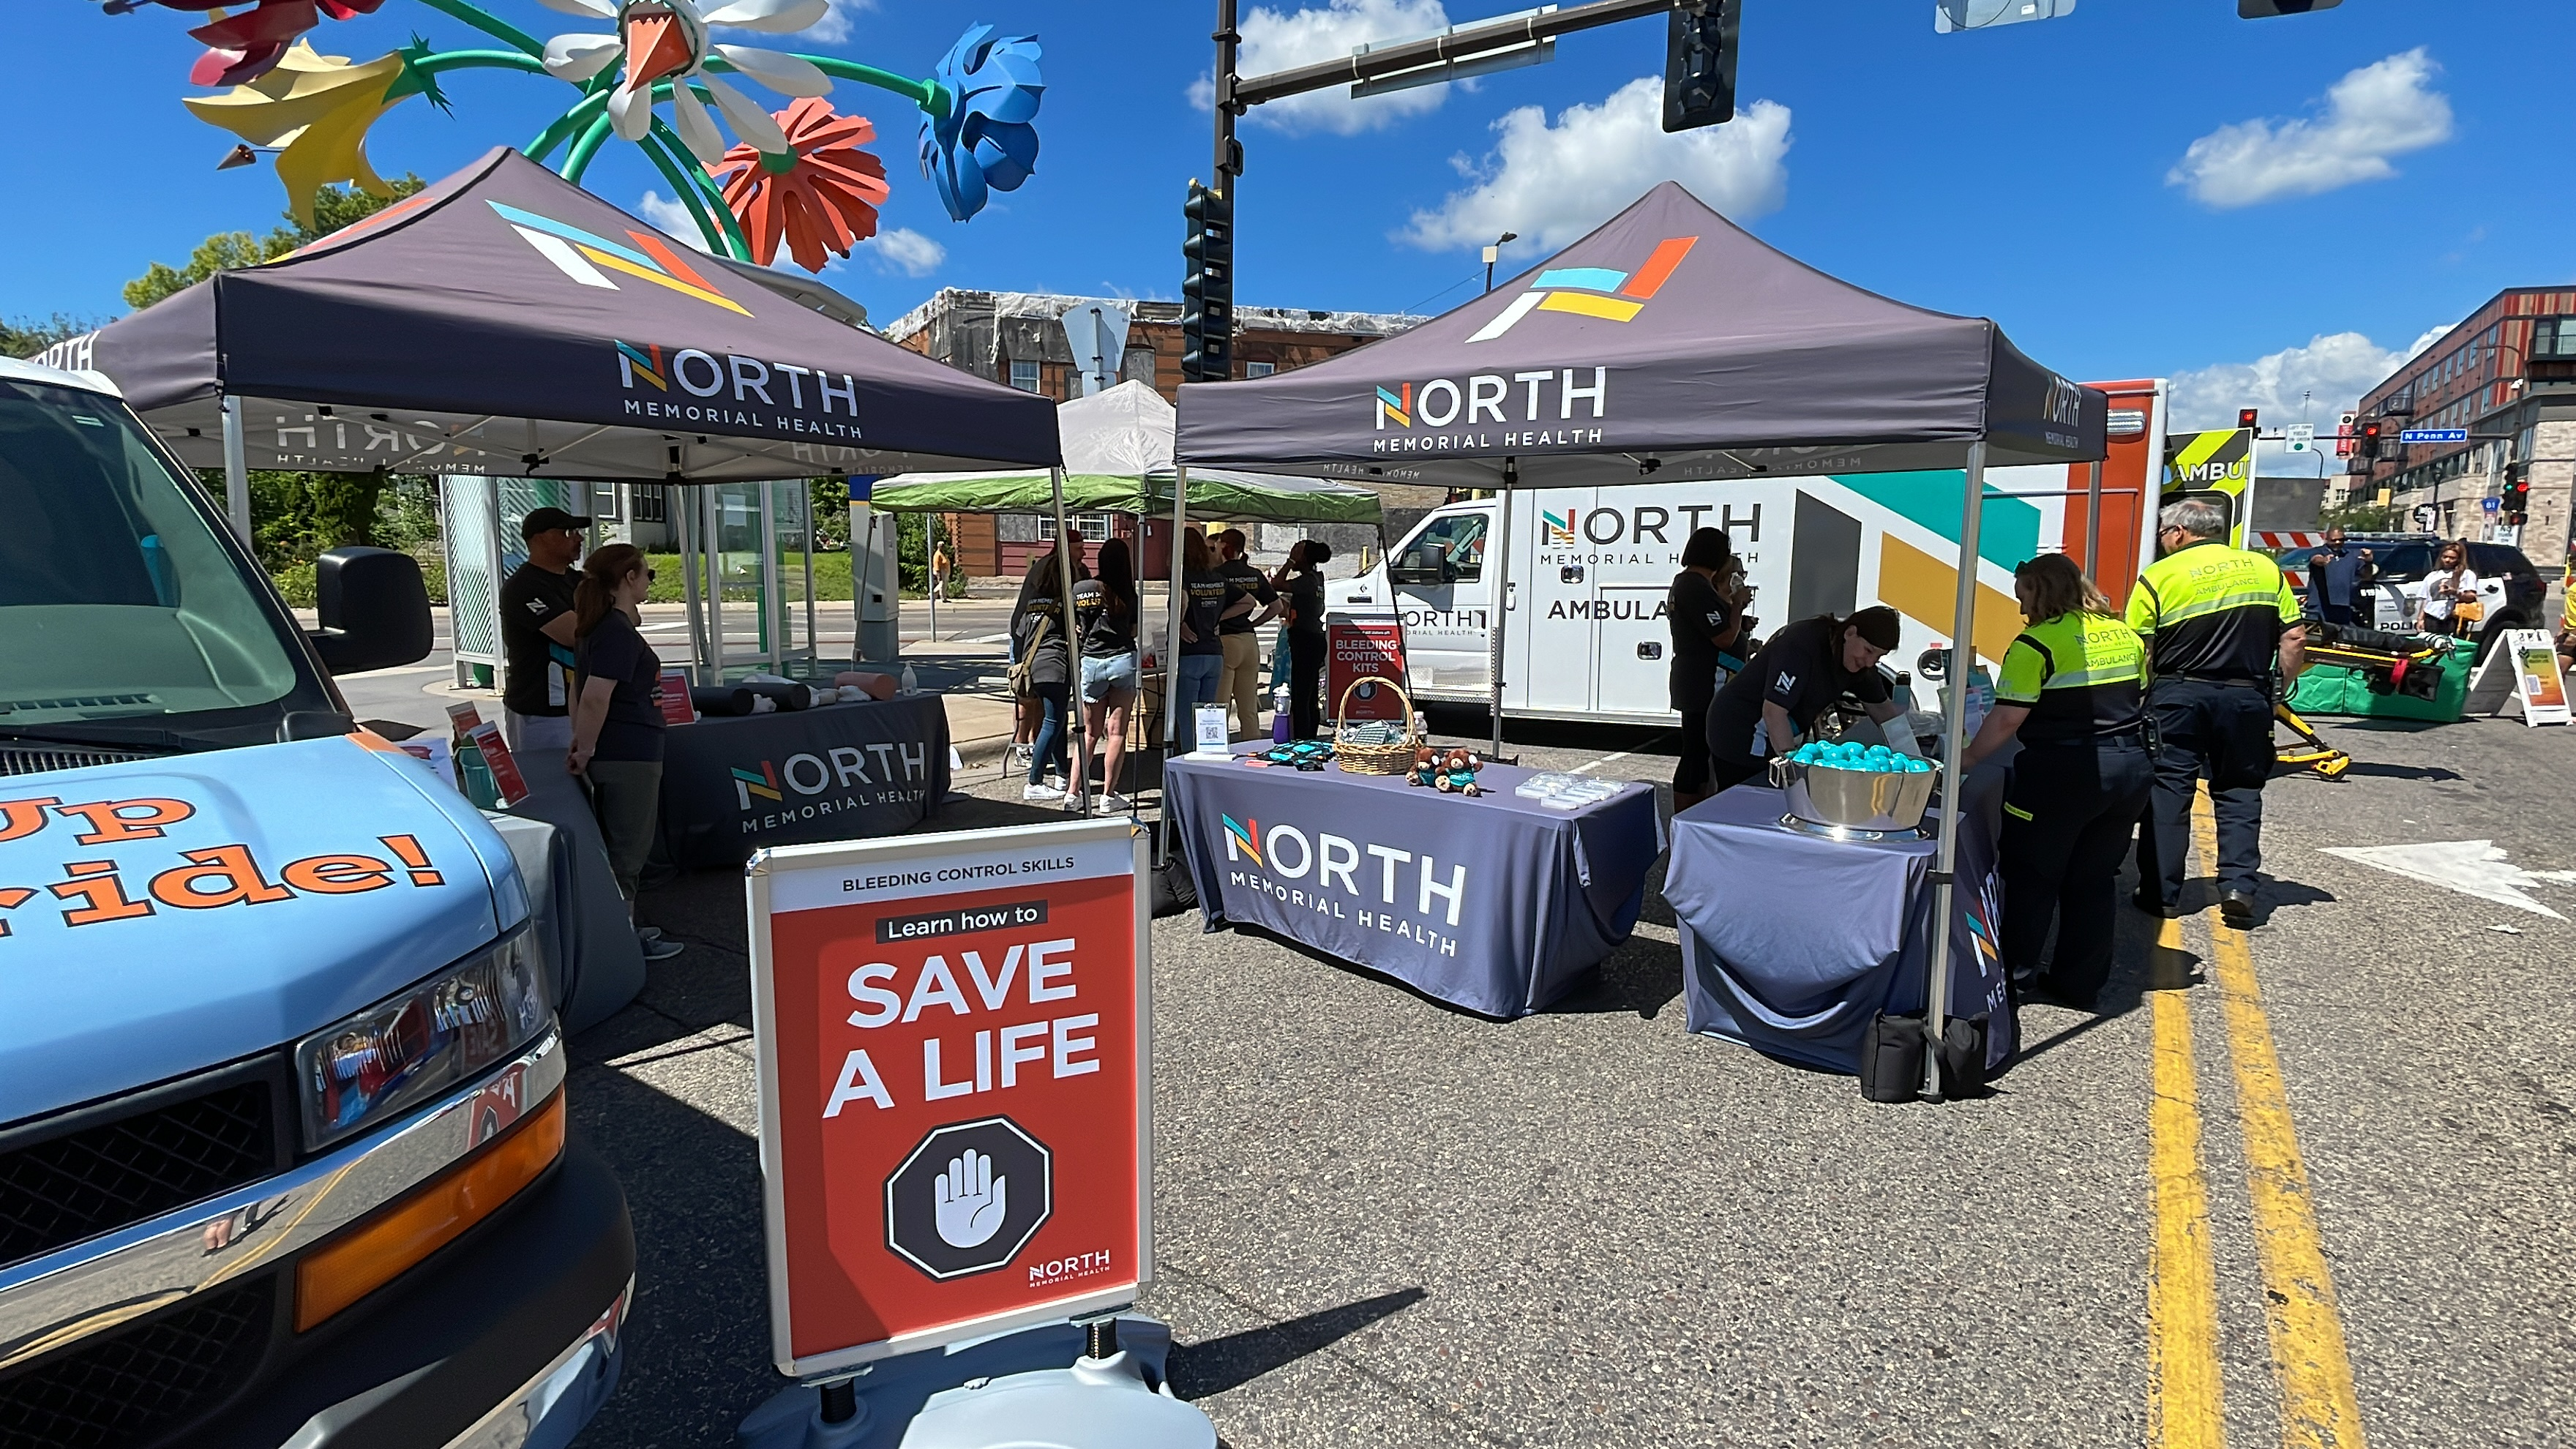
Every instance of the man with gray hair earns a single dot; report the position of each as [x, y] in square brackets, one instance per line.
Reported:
[2215, 618]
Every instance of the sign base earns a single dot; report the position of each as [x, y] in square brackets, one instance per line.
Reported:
[1031, 1387]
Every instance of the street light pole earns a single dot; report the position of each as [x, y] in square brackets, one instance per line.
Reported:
[1494, 253]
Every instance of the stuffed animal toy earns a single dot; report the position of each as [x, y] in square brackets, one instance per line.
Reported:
[1456, 774]
[1426, 767]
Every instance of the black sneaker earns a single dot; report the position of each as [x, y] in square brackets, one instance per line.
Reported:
[2236, 908]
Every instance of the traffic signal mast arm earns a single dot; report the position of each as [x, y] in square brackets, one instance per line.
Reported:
[1465, 43]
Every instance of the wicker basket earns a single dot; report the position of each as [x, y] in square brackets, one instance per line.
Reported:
[1361, 758]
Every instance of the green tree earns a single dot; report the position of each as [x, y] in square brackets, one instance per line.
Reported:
[27, 336]
[333, 208]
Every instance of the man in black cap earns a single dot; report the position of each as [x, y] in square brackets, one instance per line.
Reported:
[536, 633]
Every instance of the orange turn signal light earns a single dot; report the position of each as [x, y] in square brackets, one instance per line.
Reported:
[377, 1251]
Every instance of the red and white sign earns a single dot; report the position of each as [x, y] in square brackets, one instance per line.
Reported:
[955, 1094]
[1357, 649]
[672, 691]
[496, 758]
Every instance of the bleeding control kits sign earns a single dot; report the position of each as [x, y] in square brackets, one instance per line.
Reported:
[956, 1133]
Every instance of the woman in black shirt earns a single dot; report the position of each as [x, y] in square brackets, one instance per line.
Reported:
[617, 719]
[1770, 704]
[1300, 583]
[1038, 641]
[1705, 612]
[1104, 614]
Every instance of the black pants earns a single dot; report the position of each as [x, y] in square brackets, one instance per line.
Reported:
[1305, 683]
[2067, 819]
[2222, 730]
[1690, 775]
[2338, 614]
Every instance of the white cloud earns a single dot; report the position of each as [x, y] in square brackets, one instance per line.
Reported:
[1276, 41]
[2332, 371]
[909, 252]
[832, 29]
[2381, 110]
[671, 215]
[1553, 183]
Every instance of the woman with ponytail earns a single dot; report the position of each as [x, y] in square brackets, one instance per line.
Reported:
[617, 716]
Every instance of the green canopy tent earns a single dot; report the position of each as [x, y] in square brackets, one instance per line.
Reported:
[1118, 459]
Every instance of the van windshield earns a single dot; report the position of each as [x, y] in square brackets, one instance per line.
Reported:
[117, 599]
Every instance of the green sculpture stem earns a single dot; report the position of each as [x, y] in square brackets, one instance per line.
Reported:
[653, 148]
[489, 24]
[931, 96]
[708, 192]
[447, 60]
[585, 148]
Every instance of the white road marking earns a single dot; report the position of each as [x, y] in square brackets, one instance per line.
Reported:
[2471, 867]
[1614, 759]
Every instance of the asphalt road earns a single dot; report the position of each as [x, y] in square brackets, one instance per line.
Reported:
[1383, 1222]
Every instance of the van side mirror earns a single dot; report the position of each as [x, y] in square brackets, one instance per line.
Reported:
[374, 609]
[1424, 568]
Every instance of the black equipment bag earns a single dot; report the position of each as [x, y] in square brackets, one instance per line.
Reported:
[1891, 1059]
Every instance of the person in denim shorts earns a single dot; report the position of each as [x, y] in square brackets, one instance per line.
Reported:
[1104, 611]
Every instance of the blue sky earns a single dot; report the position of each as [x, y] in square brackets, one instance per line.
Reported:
[2144, 187]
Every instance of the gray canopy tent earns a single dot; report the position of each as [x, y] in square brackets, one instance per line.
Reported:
[1668, 346]
[505, 321]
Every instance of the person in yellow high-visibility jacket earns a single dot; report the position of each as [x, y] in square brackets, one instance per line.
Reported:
[2072, 690]
[2215, 618]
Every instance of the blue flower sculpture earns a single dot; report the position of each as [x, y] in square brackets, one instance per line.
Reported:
[985, 143]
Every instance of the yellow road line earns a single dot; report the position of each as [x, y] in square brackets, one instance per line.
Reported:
[2183, 1390]
[2318, 1408]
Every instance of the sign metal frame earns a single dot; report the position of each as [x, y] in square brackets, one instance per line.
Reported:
[760, 879]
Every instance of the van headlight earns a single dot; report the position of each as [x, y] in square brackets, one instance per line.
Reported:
[421, 1041]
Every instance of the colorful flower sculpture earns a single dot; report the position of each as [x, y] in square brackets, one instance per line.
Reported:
[822, 196]
[663, 40]
[798, 176]
[984, 142]
[246, 46]
[316, 107]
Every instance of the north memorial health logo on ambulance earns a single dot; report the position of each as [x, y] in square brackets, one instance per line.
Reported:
[1401, 892]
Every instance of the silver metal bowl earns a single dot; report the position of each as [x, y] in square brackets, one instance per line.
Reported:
[1856, 799]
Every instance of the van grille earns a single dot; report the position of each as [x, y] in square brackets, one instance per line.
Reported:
[20, 759]
[101, 1178]
[133, 1386]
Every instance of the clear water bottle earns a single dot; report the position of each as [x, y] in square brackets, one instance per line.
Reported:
[911, 681]
[1279, 716]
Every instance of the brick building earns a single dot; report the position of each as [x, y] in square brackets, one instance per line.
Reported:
[1016, 338]
[2507, 374]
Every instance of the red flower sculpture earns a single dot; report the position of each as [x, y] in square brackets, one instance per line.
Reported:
[246, 46]
[824, 199]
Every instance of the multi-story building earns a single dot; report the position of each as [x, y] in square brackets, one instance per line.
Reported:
[2507, 375]
[1016, 338]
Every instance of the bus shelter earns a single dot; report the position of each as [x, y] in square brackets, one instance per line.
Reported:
[1669, 346]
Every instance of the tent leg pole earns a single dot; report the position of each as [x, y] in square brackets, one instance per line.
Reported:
[1502, 605]
[676, 507]
[236, 471]
[1065, 543]
[1954, 790]
[2093, 519]
[713, 508]
[1172, 659]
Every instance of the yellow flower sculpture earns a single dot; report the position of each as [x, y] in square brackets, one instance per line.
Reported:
[318, 108]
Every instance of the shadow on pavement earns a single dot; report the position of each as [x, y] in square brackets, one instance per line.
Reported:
[2402, 772]
[1199, 1370]
[698, 1345]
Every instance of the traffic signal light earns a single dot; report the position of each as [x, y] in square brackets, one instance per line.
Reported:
[2245, 419]
[1207, 287]
[2263, 9]
[2366, 444]
[1699, 64]
[2516, 503]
